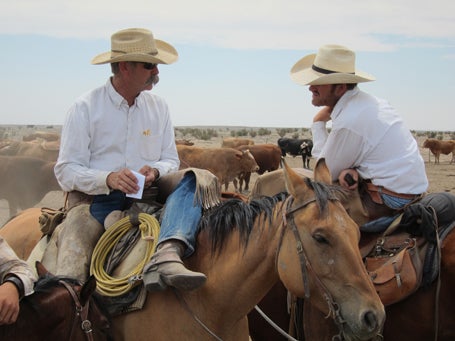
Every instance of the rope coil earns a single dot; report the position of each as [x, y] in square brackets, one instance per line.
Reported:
[108, 285]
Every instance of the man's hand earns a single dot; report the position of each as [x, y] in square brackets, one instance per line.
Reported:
[123, 180]
[9, 303]
[151, 174]
[323, 115]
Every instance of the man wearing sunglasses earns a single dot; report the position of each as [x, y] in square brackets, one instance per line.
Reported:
[109, 136]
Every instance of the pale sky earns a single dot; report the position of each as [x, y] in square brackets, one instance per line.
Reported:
[235, 56]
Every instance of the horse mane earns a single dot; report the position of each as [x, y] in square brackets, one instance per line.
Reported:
[48, 281]
[236, 214]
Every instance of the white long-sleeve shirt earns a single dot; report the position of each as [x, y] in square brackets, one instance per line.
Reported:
[368, 135]
[11, 264]
[102, 134]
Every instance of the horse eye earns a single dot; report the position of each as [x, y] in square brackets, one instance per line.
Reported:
[320, 238]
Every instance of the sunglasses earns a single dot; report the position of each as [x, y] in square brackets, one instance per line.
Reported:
[149, 66]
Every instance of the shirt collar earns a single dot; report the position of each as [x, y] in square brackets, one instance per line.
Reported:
[115, 97]
[343, 101]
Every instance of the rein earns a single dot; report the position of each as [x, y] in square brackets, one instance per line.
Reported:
[305, 265]
[81, 312]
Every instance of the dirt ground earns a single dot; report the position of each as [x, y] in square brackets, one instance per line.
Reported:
[441, 176]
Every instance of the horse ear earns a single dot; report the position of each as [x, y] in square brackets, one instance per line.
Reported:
[41, 269]
[322, 172]
[292, 179]
[87, 289]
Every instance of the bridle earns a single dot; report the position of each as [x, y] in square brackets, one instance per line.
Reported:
[305, 264]
[80, 314]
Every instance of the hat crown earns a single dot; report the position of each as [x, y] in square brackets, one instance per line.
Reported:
[335, 58]
[131, 41]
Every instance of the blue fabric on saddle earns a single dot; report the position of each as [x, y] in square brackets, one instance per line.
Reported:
[434, 212]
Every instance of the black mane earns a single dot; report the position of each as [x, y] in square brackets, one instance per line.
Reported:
[235, 214]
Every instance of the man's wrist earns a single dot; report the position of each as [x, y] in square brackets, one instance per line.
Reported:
[156, 172]
[17, 283]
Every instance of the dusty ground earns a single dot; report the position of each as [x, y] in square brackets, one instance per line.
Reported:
[441, 176]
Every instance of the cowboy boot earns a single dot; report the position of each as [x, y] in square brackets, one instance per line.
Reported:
[166, 269]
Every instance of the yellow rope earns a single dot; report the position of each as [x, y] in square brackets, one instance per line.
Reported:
[115, 286]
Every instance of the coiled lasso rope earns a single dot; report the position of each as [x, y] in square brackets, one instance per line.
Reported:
[116, 286]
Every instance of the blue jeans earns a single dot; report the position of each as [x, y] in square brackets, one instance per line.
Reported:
[182, 215]
[104, 204]
[381, 224]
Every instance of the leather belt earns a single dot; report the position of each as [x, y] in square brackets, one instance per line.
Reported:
[373, 188]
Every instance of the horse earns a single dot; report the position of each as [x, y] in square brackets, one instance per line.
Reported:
[305, 239]
[427, 314]
[59, 309]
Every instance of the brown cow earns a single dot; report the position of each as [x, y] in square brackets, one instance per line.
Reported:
[234, 142]
[24, 181]
[438, 146]
[46, 150]
[225, 163]
[268, 158]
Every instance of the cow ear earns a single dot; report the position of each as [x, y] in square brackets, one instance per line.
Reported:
[322, 172]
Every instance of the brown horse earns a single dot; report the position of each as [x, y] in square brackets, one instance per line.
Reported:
[428, 314]
[59, 309]
[305, 239]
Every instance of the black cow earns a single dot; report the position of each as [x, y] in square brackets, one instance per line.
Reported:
[297, 147]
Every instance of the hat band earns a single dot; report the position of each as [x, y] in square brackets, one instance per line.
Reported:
[152, 53]
[325, 71]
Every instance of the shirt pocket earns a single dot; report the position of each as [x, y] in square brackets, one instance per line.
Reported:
[150, 147]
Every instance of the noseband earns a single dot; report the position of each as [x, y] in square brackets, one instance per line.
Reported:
[81, 313]
[305, 265]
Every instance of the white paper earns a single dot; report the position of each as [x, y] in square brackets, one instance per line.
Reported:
[140, 183]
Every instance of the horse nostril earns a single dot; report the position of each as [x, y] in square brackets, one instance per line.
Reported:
[370, 320]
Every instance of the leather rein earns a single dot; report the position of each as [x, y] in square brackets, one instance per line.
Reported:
[81, 313]
[305, 264]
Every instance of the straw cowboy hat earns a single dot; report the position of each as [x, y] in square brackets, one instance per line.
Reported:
[137, 45]
[333, 64]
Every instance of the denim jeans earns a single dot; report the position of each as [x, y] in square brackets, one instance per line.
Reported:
[104, 204]
[182, 215]
[381, 224]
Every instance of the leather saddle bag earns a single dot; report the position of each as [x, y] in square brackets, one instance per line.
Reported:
[395, 267]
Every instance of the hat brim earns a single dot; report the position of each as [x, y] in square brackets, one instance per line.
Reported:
[302, 73]
[167, 54]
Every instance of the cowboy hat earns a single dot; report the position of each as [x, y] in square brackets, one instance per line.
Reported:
[333, 64]
[137, 45]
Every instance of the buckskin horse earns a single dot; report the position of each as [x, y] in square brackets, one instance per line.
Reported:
[59, 309]
[304, 238]
[427, 314]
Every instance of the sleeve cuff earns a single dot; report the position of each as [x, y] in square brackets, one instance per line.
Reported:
[17, 282]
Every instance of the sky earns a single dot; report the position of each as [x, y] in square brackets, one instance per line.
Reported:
[234, 56]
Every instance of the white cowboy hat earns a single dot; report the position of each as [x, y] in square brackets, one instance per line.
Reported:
[137, 45]
[333, 64]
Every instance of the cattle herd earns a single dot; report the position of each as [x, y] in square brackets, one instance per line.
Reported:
[26, 166]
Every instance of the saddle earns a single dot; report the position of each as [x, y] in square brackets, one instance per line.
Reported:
[394, 261]
[405, 257]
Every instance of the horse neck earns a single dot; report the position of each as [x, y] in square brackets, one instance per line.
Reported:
[243, 275]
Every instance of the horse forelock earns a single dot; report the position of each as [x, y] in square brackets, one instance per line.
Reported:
[236, 215]
[324, 193]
